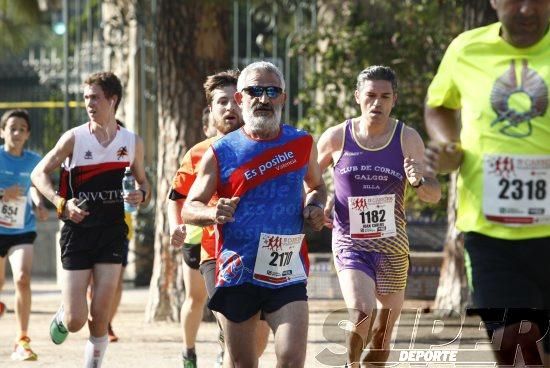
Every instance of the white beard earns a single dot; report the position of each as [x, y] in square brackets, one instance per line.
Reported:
[263, 124]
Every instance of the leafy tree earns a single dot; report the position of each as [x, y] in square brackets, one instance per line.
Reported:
[409, 36]
[19, 22]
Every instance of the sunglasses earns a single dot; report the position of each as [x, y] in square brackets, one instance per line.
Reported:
[258, 91]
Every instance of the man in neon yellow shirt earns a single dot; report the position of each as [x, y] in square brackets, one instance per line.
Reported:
[498, 77]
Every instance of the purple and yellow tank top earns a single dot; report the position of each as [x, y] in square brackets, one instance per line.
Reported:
[369, 200]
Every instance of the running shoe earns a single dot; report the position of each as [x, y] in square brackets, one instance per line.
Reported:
[58, 332]
[2, 309]
[22, 350]
[190, 362]
[111, 333]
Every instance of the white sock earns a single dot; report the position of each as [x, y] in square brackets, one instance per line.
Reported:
[94, 351]
[60, 315]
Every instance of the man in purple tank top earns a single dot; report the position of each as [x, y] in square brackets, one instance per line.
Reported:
[373, 156]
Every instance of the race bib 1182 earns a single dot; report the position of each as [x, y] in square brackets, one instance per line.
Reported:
[372, 217]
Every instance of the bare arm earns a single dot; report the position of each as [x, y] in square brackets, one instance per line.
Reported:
[174, 212]
[415, 168]
[330, 148]
[196, 210]
[40, 210]
[316, 192]
[442, 124]
[137, 197]
[35, 196]
[443, 153]
[40, 176]
[175, 222]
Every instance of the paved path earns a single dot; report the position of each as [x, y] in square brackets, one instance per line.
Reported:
[158, 345]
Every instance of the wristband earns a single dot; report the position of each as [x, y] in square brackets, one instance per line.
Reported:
[144, 195]
[315, 204]
[60, 207]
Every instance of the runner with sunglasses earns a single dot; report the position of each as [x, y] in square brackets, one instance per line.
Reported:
[199, 243]
[259, 173]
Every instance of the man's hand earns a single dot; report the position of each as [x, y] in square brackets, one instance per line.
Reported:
[177, 236]
[73, 213]
[134, 198]
[414, 171]
[12, 193]
[314, 216]
[443, 157]
[225, 209]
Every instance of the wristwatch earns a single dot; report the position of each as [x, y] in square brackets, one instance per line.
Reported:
[420, 183]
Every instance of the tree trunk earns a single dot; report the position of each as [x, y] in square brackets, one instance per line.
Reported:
[452, 293]
[116, 17]
[192, 42]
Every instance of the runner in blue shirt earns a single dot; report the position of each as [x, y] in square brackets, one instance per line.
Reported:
[17, 219]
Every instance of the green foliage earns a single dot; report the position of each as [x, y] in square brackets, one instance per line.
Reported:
[20, 25]
[409, 36]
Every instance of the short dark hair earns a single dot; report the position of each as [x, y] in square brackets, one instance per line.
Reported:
[377, 72]
[18, 113]
[219, 80]
[109, 83]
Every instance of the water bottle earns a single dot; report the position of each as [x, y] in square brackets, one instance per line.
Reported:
[128, 185]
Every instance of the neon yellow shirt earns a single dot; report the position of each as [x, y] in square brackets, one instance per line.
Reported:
[502, 92]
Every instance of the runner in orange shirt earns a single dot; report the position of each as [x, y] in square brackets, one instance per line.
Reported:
[226, 117]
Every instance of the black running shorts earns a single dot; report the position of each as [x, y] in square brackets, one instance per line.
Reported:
[82, 248]
[510, 280]
[125, 251]
[192, 255]
[240, 303]
[8, 241]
